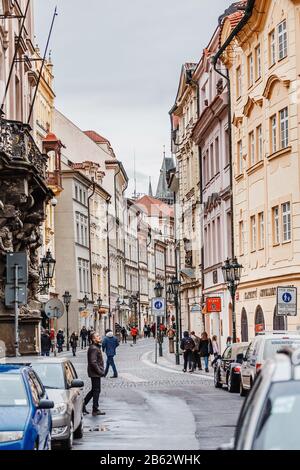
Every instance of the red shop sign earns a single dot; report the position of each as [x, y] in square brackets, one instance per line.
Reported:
[213, 304]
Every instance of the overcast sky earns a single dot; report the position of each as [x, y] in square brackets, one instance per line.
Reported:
[117, 65]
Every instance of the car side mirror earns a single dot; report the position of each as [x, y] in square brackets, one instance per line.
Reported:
[45, 405]
[76, 383]
[240, 358]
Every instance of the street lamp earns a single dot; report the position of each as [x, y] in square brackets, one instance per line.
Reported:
[158, 289]
[133, 302]
[67, 300]
[174, 287]
[47, 268]
[232, 272]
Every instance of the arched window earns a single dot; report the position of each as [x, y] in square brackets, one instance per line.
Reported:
[278, 321]
[259, 320]
[244, 327]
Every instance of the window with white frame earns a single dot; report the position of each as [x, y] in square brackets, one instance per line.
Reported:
[82, 229]
[261, 221]
[276, 226]
[286, 221]
[284, 127]
[273, 133]
[217, 155]
[272, 48]
[253, 232]
[258, 62]
[83, 271]
[240, 157]
[259, 138]
[212, 158]
[238, 82]
[282, 40]
[252, 148]
[250, 70]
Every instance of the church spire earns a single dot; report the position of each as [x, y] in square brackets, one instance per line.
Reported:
[150, 191]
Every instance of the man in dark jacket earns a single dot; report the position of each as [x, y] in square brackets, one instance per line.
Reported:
[45, 343]
[83, 336]
[187, 345]
[95, 372]
[109, 346]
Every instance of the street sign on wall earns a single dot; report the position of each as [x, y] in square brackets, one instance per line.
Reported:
[287, 301]
[158, 306]
[213, 304]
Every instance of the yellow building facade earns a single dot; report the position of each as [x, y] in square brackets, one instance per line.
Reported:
[264, 66]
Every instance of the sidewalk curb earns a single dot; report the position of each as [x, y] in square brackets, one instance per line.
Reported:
[150, 362]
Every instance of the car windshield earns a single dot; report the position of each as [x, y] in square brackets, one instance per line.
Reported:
[278, 427]
[272, 346]
[12, 390]
[50, 374]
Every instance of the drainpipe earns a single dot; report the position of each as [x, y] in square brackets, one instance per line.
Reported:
[108, 256]
[90, 238]
[202, 233]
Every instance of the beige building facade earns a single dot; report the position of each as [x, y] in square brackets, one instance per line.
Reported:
[264, 65]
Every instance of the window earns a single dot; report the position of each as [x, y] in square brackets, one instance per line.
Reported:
[76, 192]
[204, 170]
[259, 139]
[240, 157]
[272, 46]
[261, 221]
[284, 128]
[238, 82]
[212, 165]
[252, 148]
[227, 147]
[273, 133]
[253, 233]
[82, 229]
[241, 237]
[83, 270]
[276, 231]
[250, 70]
[217, 155]
[282, 40]
[286, 221]
[258, 62]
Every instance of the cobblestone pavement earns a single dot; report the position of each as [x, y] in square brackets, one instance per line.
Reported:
[157, 406]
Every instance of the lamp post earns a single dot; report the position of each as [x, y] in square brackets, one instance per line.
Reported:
[67, 301]
[232, 275]
[99, 304]
[174, 287]
[47, 268]
[158, 289]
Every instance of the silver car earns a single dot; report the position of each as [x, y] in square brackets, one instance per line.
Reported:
[66, 390]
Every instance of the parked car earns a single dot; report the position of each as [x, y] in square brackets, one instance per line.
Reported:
[25, 410]
[228, 367]
[269, 418]
[263, 347]
[66, 390]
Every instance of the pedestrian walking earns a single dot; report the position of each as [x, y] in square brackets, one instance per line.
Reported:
[145, 330]
[109, 346]
[95, 372]
[148, 331]
[153, 329]
[205, 349]
[124, 334]
[196, 353]
[215, 348]
[83, 336]
[60, 339]
[187, 345]
[45, 343]
[52, 338]
[171, 335]
[74, 342]
[228, 341]
[134, 332]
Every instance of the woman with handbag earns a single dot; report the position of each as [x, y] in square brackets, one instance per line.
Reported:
[205, 349]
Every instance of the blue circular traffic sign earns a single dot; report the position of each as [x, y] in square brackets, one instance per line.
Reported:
[158, 305]
[287, 298]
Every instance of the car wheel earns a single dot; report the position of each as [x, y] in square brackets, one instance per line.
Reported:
[68, 443]
[243, 392]
[217, 379]
[230, 386]
[78, 434]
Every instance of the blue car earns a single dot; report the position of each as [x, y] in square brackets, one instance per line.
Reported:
[25, 416]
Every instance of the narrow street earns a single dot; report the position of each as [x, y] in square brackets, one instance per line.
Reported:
[157, 407]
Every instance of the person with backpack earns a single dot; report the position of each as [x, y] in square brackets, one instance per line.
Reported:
[196, 355]
[205, 349]
[187, 345]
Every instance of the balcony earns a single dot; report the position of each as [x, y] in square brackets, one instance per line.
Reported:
[54, 181]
